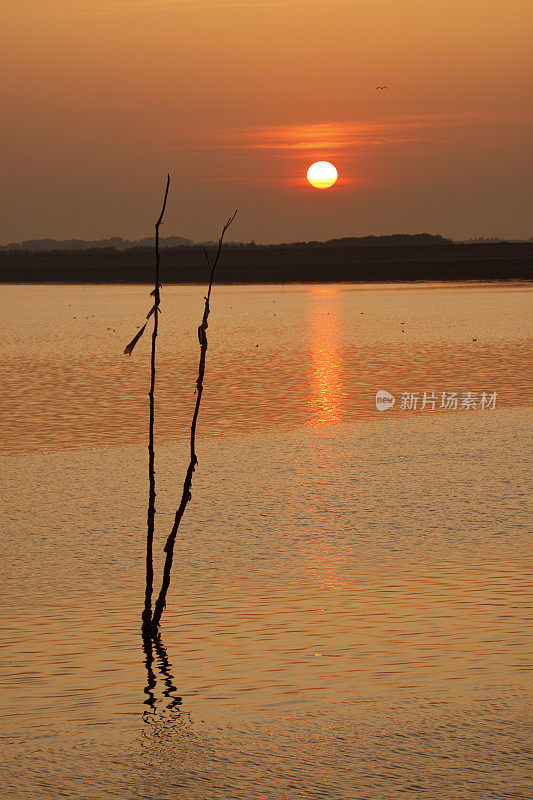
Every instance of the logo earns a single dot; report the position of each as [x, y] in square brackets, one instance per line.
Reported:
[441, 401]
[384, 400]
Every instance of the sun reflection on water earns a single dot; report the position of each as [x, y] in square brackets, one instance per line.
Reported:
[327, 395]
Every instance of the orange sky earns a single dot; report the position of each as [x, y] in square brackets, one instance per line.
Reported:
[236, 98]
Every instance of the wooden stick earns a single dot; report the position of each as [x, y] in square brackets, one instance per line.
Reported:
[150, 521]
[186, 494]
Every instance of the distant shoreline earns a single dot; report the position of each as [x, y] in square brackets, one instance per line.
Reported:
[503, 261]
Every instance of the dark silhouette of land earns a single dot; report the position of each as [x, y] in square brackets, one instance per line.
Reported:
[369, 259]
[116, 242]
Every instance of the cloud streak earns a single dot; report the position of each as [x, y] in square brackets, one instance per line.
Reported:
[335, 137]
[201, 5]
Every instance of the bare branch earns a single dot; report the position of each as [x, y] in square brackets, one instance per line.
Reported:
[150, 519]
[160, 603]
[129, 347]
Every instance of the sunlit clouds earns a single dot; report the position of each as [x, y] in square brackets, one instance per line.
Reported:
[337, 137]
[281, 154]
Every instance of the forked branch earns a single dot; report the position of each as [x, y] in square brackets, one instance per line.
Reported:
[186, 494]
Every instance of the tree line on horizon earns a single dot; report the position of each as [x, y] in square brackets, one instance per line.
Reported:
[118, 243]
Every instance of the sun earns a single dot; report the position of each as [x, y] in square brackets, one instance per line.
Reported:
[322, 174]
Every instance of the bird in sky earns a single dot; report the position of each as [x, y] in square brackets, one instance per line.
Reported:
[381, 87]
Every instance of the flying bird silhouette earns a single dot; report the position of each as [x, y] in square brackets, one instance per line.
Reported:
[381, 87]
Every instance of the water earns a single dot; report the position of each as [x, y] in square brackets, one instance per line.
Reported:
[349, 610]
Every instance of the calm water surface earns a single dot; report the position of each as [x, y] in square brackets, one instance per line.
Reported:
[349, 613]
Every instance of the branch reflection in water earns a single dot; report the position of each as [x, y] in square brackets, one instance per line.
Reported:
[162, 710]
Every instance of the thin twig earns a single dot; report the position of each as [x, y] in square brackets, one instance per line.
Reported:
[186, 494]
[150, 521]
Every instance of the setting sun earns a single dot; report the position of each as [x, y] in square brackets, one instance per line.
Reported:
[322, 174]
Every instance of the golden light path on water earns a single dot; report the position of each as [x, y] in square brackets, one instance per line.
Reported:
[327, 397]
